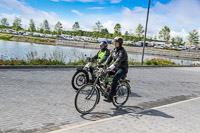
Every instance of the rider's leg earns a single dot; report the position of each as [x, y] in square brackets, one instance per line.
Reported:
[118, 75]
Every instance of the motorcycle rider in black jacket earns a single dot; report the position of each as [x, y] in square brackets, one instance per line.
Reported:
[120, 58]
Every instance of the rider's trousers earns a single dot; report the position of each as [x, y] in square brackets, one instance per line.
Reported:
[118, 75]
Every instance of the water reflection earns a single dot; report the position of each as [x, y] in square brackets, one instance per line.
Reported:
[9, 49]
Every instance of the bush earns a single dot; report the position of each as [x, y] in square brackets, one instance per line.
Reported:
[80, 62]
[133, 62]
[5, 37]
[159, 62]
[14, 62]
[57, 58]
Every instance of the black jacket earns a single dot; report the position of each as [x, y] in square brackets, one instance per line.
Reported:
[120, 58]
[105, 56]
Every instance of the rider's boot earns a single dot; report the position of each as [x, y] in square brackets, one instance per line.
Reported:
[108, 99]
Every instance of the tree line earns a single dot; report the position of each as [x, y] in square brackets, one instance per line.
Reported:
[100, 31]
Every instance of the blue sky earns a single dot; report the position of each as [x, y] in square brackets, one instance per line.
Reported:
[182, 16]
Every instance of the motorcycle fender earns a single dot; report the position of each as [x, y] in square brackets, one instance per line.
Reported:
[79, 68]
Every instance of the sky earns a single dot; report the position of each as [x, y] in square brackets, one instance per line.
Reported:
[181, 16]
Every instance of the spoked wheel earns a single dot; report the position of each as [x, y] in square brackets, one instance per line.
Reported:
[79, 79]
[122, 95]
[86, 99]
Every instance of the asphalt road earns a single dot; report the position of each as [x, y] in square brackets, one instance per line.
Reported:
[42, 99]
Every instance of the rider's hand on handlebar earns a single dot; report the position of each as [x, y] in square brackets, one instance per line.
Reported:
[88, 58]
[112, 67]
[108, 69]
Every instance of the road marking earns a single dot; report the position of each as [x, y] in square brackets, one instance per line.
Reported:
[85, 124]
[115, 117]
[171, 104]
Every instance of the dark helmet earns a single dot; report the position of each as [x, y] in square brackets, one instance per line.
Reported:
[118, 39]
[103, 43]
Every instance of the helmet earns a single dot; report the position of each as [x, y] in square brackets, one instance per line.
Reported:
[118, 39]
[103, 43]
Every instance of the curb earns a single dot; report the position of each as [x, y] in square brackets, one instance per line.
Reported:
[59, 67]
[36, 67]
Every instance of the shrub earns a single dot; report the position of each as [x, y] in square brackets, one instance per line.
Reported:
[5, 37]
[80, 62]
[159, 62]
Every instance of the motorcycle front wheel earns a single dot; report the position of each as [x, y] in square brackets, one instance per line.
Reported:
[79, 79]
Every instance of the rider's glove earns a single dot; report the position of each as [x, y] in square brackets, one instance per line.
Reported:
[111, 67]
[88, 58]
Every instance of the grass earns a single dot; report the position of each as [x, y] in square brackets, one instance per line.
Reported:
[9, 37]
[152, 62]
[32, 58]
[159, 62]
[5, 37]
[77, 63]
[50, 61]
[14, 62]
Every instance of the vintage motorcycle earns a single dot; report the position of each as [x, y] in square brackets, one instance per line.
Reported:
[84, 74]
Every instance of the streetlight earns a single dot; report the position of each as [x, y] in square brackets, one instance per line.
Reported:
[145, 32]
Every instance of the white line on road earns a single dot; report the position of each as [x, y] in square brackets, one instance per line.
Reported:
[171, 104]
[85, 124]
[115, 117]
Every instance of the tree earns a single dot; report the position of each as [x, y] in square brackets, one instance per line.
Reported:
[46, 27]
[76, 26]
[4, 22]
[155, 38]
[165, 34]
[193, 37]
[179, 41]
[41, 30]
[139, 32]
[58, 28]
[104, 33]
[173, 41]
[126, 36]
[31, 26]
[150, 38]
[117, 30]
[98, 26]
[80, 33]
[17, 24]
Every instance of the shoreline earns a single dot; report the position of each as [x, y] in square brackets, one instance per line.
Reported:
[135, 50]
[78, 66]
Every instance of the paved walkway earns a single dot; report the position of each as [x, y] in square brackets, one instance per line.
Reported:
[42, 100]
[180, 117]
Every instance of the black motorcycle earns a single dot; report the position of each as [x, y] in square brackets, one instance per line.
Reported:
[84, 74]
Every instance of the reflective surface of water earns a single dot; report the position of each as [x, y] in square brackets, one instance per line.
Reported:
[9, 49]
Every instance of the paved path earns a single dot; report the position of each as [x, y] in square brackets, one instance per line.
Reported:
[43, 99]
[180, 117]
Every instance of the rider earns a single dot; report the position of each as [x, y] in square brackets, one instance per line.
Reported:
[120, 58]
[103, 53]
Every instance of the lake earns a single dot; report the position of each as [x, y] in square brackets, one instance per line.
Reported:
[10, 49]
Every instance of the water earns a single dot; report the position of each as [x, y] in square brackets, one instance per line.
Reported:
[9, 49]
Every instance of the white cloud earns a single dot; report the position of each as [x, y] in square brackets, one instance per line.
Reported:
[96, 8]
[181, 16]
[115, 1]
[99, 1]
[109, 24]
[77, 0]
[77, 12]
[26, 12]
